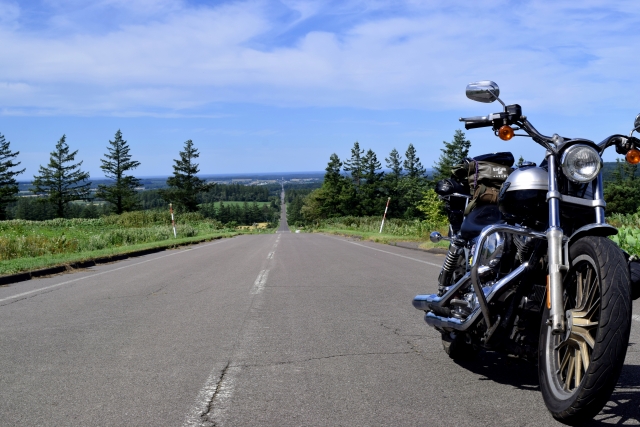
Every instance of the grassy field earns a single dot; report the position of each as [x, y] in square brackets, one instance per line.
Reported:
[394, 230]
[26, 245]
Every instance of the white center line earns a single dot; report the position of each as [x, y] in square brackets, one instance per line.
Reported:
[387, 252]
[104, 272]
[270, 256]
[194, 417]
[261, 280]
[635, 317]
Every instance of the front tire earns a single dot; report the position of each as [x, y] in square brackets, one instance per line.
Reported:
[579, 369]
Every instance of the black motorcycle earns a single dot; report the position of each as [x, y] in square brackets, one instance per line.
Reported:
[533, 273]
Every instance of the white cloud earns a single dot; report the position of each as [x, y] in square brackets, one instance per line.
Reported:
[173, 56]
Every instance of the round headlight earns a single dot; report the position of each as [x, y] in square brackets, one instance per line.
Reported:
[581, 163]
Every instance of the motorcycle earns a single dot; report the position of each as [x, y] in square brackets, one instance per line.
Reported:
[535, 274]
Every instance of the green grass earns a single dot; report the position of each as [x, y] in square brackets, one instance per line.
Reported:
[395, 230]
[19, 265]
[26, 245]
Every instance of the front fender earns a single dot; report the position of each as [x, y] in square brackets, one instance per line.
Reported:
[606, 230]
[603, 230]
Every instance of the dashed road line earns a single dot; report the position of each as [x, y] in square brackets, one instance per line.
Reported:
[203, 401]
[214, 397]
[261, 280]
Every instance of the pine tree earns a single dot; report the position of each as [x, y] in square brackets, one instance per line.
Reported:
[184, 185]
[333, 177]
[8, 183]
[412, 165]
[117, 162]
[354, 165]
[412, 185]
[454, 152]
[392, 181]
[62, 183]
[371, 195]
[333, 186]
[394, 162]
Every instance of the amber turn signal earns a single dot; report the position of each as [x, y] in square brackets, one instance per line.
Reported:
[633, 156]
[505, 133]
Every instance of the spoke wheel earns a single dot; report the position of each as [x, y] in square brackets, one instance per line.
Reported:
[579, 369]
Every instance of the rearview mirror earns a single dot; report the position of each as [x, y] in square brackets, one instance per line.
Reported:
[636, 124]
[483, 91]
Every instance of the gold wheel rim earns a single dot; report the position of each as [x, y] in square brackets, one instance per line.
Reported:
[583, 313]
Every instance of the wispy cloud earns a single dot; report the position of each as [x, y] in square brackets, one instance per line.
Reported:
[177, 57]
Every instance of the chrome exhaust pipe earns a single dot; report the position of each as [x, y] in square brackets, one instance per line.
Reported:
[421, 302]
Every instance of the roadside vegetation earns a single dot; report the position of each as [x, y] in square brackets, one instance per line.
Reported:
[32, 244]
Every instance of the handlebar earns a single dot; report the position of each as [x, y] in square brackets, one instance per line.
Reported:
[513, 116]
[476, 122]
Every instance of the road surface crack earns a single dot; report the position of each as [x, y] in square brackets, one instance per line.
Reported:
[396, 331]
[311, 359]
[206, 414]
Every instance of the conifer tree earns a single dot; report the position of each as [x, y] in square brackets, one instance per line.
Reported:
[60, 181]
[184, 185]
[121, 194]
[454, 152]
[394, 162]
[371, 197]
[333, 188]
[354, 164]
[412, 185]
[392, 181]
[412, 165]
[8, 183]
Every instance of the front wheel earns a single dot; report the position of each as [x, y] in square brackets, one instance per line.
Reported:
[579, 369]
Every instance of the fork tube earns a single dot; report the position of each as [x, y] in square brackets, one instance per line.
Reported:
[554, 250]
[598, 194]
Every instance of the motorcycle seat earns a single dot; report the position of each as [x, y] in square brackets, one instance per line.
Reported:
[478, 219]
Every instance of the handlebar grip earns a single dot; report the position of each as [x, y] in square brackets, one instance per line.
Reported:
[474, 124]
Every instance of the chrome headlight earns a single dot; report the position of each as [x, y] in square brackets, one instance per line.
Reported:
[581, 163]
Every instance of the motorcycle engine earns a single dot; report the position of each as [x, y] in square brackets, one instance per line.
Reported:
[494, 247]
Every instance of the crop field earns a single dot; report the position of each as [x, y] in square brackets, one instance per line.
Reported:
[25, 245]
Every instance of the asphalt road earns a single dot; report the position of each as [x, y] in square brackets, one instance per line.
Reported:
[283, 329]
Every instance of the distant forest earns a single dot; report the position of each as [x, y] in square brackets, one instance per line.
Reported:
[247, 212]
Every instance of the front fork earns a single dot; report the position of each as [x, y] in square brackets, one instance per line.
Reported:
[556, 267]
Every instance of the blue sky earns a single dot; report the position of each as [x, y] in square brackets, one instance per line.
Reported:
[267, 86]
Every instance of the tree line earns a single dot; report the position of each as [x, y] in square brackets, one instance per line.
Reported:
[358, 186]
[62, 181]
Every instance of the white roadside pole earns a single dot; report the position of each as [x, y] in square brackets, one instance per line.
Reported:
[385, 214]
[173, 223]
